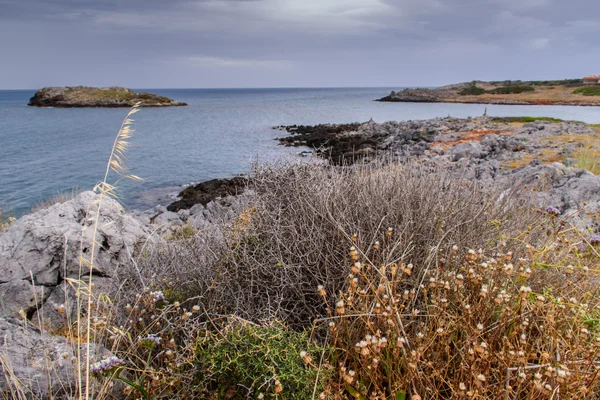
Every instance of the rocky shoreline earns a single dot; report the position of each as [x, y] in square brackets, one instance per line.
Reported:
[110, 97]
[492, 151]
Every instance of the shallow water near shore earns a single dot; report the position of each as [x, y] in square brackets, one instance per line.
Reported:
[219, 134]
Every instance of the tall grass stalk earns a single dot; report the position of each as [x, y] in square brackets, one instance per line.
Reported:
[116, 164]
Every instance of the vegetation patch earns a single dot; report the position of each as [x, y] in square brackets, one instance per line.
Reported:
[516, 89]
[475, 90]
[472, 90]
[253, 361]
[526, 119]
[588, 91]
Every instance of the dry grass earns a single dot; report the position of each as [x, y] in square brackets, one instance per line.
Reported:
[475, 326]
[58, 198]
[585, 155]
[542, 95]
[5, 221]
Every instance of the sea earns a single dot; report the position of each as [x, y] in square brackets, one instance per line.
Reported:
[221, 133]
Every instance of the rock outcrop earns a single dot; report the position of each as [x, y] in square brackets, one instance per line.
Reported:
[110, 97]
[38, 365]
[492, 151]
[41, 251]
[205, 192]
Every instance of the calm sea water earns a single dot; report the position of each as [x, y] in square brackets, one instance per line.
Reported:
[220, 134]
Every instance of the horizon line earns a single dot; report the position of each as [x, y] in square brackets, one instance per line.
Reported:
[235, 88]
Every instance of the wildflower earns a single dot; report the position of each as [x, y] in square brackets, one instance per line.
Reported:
[356, 267]
[376, 246]
[321, 291]
[479, 327]
[278, 387]
[481, 377]
[349, 377]
[552, 210]
[186, 316]
[353, 253]
[158, 297]
[389, 232]
[306, 357]
[524, 290]
[340, 307]
[149, 342]
[484, 290]
[595, 239]
[196, 308]
[106, 366]
[462, 386]
[61, 309]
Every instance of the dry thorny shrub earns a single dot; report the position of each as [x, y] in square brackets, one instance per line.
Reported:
[479, 326]
[296, 230]
[377, 262]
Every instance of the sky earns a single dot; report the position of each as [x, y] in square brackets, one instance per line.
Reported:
[294, 43]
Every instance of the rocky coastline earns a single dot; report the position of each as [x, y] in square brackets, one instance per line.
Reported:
[36, 265]
[109, 97]
[564, 93]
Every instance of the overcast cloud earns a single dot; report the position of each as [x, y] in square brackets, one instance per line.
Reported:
[290, 43]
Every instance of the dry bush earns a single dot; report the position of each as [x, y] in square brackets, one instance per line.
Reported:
[60, 197]
[296, 232]
[5, 222]
[476, 326]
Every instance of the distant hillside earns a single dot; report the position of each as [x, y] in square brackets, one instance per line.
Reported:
[571, 92]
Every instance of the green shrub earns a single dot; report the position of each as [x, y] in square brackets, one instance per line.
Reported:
[517, 89]
[588, 91]
[250, 360]
[472, 90]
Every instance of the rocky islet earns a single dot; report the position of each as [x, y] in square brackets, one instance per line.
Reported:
[109, 97]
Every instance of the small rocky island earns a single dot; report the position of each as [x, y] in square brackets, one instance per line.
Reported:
[571, 92]
[109, 97]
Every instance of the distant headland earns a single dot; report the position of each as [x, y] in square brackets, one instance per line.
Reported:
[109, 97]
[568, 92]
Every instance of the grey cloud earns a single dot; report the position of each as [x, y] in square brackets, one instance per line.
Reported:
[294, 42]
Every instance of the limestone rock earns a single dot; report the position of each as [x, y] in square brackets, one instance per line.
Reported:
[43, 248]
[44, 365]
